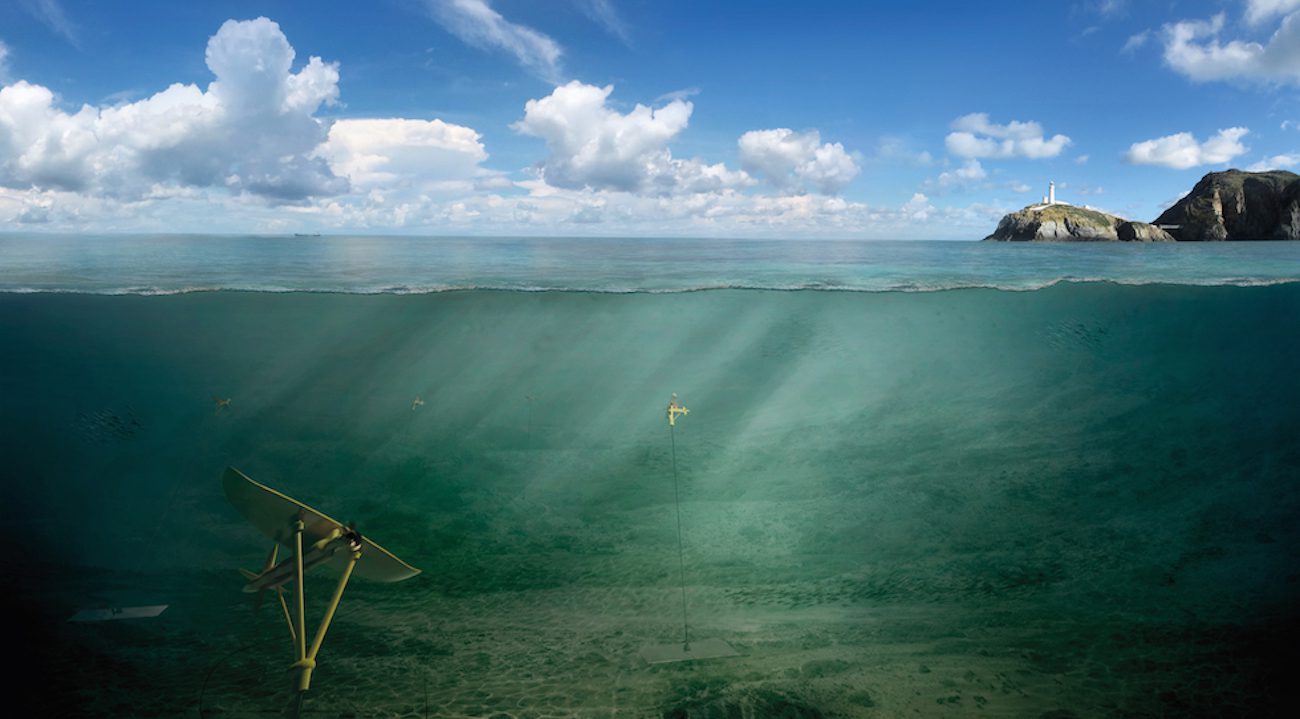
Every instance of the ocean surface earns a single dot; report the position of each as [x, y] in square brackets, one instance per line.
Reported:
[917, 479]
[167, 264]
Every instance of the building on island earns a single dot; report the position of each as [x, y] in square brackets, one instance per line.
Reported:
[1050, 198]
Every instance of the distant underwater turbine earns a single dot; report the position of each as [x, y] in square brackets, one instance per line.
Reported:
[708, 648]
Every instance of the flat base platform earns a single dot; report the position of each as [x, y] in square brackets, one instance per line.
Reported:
[104, 615]
[699, 649]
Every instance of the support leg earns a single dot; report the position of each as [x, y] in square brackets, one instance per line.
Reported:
[288, 619]
[298, 589]
[308, 662]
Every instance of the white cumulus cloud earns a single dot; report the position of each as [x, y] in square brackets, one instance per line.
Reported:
[1182, 150]
[251, 131]
[476, 23]
[975, 136]
[397, 152]
[789, 159]
[246, 153]
[1193, 48]
[918, 208]
[593, 145]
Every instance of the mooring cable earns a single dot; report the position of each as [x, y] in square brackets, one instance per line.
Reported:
[681, 554]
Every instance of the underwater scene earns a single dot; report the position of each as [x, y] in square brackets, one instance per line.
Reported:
[1046, 499]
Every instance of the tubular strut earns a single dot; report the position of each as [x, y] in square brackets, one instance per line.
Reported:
[306, 660]
[288, 618]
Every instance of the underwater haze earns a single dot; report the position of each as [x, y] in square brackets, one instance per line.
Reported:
[1013, 494]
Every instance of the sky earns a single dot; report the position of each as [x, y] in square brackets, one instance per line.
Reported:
[876, 120]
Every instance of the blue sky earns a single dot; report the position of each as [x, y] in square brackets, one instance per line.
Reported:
[601, 117]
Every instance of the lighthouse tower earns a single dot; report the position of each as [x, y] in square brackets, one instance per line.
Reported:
[1051, 192]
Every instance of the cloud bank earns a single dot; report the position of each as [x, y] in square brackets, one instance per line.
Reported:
[248, 152]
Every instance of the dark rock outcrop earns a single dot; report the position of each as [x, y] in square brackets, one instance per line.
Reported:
[1141, 232]
[1236, 205]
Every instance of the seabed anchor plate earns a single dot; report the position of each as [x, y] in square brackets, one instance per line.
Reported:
[104, 615]
[698, 649]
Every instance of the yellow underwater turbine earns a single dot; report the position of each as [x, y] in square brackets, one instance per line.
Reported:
[314, 539]
[675, 408]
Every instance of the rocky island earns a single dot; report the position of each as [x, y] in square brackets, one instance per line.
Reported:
[1236, 205]
[1061, 222]
[1229, 205]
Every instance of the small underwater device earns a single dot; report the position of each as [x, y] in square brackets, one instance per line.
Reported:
[221, 403]
[686, 651]
[314, 539]
[416, 403]
[675, 408]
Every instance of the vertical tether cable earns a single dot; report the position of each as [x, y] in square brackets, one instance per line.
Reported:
[681, 555]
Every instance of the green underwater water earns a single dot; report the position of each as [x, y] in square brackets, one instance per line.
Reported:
[1074, 501]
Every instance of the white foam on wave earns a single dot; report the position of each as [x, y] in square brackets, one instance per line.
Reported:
[1028, 285]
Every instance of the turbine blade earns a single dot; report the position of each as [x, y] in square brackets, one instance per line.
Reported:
[270, 558]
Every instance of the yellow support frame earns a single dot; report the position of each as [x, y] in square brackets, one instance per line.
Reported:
[305, 660]
[315, 539]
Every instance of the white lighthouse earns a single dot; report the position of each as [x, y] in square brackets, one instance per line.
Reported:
[1050, 198]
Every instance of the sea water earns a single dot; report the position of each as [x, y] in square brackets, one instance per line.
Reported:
[167, 264]
[923, 479]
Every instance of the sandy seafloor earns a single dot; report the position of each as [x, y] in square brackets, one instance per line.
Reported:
[1079, 501]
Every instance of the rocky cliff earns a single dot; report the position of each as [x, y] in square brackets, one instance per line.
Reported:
[1236, 205]
[1049, 223]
